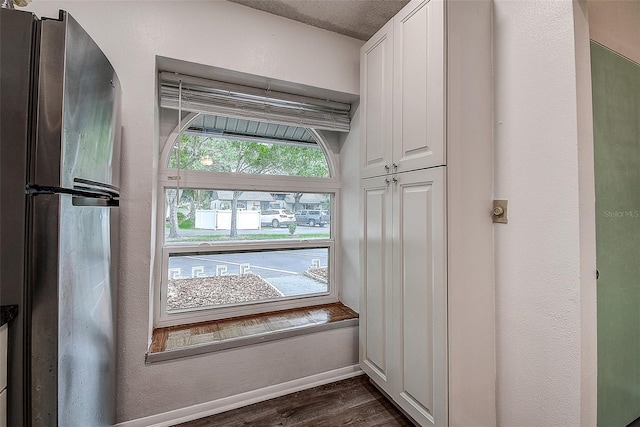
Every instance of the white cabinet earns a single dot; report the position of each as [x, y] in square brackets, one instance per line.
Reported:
[376, 347]
[402, 92]
[403, 302]
[427, 308]
[376, 81]
[403, 310]
[419, 86]
[419, 295]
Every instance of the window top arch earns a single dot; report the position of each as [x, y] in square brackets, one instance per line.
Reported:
[214, 143]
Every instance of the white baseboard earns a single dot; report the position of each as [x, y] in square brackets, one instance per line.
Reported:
[190, 413]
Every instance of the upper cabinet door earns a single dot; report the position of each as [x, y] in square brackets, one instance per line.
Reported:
[419, 86]
[376, 100]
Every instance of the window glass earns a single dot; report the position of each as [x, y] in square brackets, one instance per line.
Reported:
[206, 280]
[208, 215]
[249, 227]
[255, 156]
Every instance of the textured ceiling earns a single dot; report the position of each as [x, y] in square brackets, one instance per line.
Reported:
[359, 19]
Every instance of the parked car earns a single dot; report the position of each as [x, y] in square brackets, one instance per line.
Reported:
[277, 217]
[312, 217]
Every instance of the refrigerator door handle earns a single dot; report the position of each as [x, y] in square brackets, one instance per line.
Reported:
[95, 201]
[82, 196]
[95, 186]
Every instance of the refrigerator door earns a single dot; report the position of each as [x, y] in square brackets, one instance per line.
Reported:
[78, 117]
[74, 259]
[17, 30]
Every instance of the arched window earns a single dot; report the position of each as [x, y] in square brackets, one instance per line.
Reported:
[246, 219]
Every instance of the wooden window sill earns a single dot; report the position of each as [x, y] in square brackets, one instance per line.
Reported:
[199, 338]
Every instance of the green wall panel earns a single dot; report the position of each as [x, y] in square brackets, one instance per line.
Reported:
[616, 112]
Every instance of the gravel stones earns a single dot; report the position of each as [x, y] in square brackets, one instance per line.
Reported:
[199, 292]
[206, 291]
[320, 274]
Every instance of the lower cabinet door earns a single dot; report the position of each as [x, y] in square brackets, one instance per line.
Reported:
[420, 296]
[375, 296]
[403, 302]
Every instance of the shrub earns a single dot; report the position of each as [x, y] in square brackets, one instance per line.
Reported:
[186, 224]
[292, 228]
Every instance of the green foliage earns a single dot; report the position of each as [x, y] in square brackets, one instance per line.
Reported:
[213, 154]
[187, 224]
[249, 157]
[292, 228]
[180, 217]
[250, 237]
[301, 161]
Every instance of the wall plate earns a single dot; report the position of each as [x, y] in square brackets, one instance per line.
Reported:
[499, 212]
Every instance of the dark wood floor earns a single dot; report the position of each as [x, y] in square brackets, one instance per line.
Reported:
[352, 402]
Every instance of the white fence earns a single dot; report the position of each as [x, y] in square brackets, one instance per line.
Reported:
[221, 220]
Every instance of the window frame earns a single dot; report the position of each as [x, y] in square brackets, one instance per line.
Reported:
[167, 179]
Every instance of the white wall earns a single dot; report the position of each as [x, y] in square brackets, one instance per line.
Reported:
[540, 137]
[350, 214]
[616, 24]
[586, 179]
[230, 36]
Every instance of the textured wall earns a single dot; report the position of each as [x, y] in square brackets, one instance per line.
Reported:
[350, 215]
[538, 254]
[616, 24]
[234, 37]
[616, 111]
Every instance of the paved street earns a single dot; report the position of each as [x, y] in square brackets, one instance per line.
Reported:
[266, 264]
[283, 269]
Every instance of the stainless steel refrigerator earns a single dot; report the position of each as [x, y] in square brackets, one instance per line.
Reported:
[59, 177]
